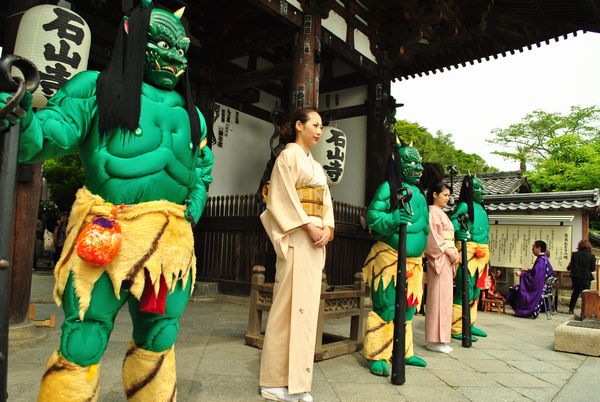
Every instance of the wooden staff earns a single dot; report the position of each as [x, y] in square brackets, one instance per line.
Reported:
[8, 175]
[466, 311]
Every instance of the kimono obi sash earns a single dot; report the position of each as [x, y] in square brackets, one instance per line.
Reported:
[448, 237]
[311, 199]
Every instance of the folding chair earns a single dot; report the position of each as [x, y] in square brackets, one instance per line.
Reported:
[548, 296]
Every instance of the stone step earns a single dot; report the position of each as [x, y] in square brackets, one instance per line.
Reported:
[204, 290]
[581, 337]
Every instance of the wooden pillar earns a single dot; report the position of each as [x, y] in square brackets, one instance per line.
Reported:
[379, 142]
[305, 62]
[585, 225]
[27, 199]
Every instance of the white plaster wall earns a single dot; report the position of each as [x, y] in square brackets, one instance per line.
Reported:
[363, 45]
[240, 163]
[336, 24]
[296, 4]
[346, 97]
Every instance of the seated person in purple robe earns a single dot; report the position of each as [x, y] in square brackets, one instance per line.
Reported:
[526, 297]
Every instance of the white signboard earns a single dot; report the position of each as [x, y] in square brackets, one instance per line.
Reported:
[510, 245]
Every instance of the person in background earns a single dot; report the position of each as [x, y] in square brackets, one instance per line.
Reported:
[299, 222]
[582, 266]
[526, 297]
[441, 256]
[60, 234]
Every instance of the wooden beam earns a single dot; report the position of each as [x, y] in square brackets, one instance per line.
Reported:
[252, 110]
[305, 63]
[252, 78]
[344, 112]
[282, 9]
[379, 144]
[342, 82]
[350, 56]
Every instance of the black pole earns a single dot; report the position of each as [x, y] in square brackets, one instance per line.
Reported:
[466, 311]
[398, 353]
[8, 178]
[399, 343]
[8, 170]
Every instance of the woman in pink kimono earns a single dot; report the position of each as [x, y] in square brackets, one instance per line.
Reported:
[441, 255]
[299, 222]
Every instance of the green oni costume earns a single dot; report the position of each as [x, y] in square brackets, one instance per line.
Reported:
[477, 235]
[142, 144]
[379, 270]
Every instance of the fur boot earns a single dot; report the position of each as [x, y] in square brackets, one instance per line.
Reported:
[149, 376]
[65, 381]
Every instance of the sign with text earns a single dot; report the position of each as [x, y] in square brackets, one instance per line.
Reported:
[330, 152]
[57, 41]
[510, 245]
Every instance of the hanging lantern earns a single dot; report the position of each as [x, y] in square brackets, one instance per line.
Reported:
[57, 41]
[330, 152]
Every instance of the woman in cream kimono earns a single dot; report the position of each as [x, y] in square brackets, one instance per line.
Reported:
[299, 222]
[441, 256]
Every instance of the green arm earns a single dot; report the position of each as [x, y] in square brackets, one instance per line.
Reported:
[57, 129]
[379, 217]
[197, 197]
[459, 209]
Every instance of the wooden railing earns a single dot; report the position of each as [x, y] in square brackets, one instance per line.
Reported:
[230, 240]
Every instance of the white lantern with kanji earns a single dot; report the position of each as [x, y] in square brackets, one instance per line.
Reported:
[57, 41]
[330, 152]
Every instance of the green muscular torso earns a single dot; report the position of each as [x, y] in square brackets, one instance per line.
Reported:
[479, 228]
[380, 220]
[154, 164]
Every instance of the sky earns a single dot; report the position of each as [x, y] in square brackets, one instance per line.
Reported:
[469, 102]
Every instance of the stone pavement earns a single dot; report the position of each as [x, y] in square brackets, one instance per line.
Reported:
[515, 363]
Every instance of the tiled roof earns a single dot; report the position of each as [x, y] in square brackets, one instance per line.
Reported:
[556, 201]
[497, 183]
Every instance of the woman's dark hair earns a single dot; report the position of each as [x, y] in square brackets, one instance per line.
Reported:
[541, 244]
[436, 188]
[287, 131]
[584, 245]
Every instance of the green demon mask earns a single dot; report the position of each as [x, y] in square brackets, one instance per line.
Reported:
[478, 191]
[410, 160]
[166, 49]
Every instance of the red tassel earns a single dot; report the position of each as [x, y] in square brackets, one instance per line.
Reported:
[150, 302]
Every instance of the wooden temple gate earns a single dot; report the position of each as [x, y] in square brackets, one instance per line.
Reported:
[291, 54]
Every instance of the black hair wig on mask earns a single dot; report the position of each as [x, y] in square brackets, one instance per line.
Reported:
[119, 85]
[393, 175]
[466, 195]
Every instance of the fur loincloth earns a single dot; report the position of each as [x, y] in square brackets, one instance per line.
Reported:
[380, 268]
[476, 263]
[156, 238]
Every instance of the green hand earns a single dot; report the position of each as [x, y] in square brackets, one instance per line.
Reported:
[18, 113]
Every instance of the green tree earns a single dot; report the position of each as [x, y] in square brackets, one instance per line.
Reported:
[64, 176]
[572, 164]
[529, 142]
[439, 148]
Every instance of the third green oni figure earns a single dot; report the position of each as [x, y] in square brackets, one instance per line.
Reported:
[379, 270]
[477, 235]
